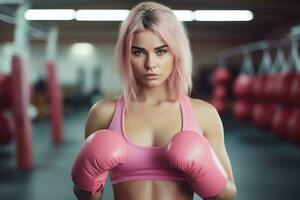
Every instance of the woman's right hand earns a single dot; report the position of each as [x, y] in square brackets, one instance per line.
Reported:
[84, 195]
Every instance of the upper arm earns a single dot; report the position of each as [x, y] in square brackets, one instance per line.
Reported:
[211, 124]
[99, 116]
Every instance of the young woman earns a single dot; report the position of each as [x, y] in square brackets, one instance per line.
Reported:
[154, 141]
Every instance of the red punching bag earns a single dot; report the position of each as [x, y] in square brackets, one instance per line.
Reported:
[6, 96]
[283, 87]
[295, 91]
[258, 88]
[221, 76]
[7, 128]
[262, 115]
[55, 102]
[242, 86]
[280, 121]
[220, 91]
[255, 86]
[293, 127]
[242, 110]
[269, 88]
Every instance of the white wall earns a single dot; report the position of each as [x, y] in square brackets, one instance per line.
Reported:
[68, 64]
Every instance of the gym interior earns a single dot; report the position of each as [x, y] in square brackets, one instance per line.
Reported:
[55, 66]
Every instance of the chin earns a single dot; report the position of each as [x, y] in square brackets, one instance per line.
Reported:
[151, 85]
[154, 84]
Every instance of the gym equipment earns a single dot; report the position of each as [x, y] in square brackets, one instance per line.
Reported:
[242, 109]
[7, 129]
[221, 76]
[20, 89]
[295, 91]
[280, 121]
[283, 87]
[242, 86]
[55, 103]
[220, 92]
[293, 127]
[6, 101]
[262, 115]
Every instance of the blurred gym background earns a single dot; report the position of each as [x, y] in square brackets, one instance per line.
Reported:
[55, 66]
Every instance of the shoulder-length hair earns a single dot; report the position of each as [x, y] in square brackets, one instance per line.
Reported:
[163, 22]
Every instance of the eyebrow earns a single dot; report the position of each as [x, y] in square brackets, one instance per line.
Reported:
[135, 47]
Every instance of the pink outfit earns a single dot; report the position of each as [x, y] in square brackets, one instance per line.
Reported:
[148, 162]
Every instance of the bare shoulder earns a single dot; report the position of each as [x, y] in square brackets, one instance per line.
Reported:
[206, 114]
[201, 106]
[100, 116]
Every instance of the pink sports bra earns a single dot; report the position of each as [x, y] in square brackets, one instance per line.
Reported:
[147, 162]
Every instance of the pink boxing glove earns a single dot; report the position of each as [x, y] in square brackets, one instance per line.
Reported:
[101, 151]
[191, 153]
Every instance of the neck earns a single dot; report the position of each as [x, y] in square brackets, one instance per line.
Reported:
[154, 96]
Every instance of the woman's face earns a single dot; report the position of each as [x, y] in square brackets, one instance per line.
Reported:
[150, 55]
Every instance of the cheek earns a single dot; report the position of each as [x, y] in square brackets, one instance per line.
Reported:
[137, 67]
[169, 62]
[132, 61]
[135, 63]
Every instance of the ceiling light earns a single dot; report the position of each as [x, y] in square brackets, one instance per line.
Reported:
[101, 15]
[50, 14]
[223, 15]
[184, 15]
[82, 49]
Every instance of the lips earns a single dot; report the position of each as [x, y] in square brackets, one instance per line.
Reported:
[151, 76]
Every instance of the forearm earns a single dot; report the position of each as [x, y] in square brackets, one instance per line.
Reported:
[229, 193]
[83, 195]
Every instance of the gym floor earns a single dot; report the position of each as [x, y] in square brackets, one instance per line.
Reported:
[264, 167]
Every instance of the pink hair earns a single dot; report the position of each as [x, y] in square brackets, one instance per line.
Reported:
[162, 21]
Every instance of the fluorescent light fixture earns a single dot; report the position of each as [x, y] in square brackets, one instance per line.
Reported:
[82, 49]
[101, 15]
[223, 15]
[121, 14]
[50, 14]
[184, 15]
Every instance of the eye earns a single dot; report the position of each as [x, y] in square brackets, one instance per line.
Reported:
[161, 52]
[137, 53]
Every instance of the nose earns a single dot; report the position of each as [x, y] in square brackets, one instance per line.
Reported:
[150, 62]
